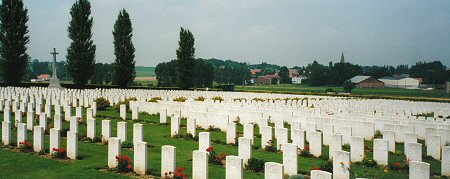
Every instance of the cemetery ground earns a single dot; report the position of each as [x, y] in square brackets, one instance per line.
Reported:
[92, 160]
[390, 93]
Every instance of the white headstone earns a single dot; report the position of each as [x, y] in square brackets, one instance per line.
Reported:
[231, 133]
[419, 170]
[72, 145]
[168, 159]
[273, 170]
[390, 137]
[91, 128]
[434, 146]
[38, 138]
[335, 144]
[290, 158]
[21, 133]
[106, 130]
[319, 174]
[380, 151]
[122, 131]
[123, 111]
[248, 132]
[357, 149]
[191, 126]
[298, 137]
[174, 126]
[55, 139]
[234, 168]
[199, 164]
[266, 135]
[6, 133]
[43, 120]
[74, 124]
[30, 120]
[138, 133]
[341, 164]
[134, 113]
[445, 163]
[315, 143]
[140, 157]
[413, 151]
[163, 116]
[203, 141]
[282, 137]
[57, 122]
[79, 112]
[245, 149]
[114, 145]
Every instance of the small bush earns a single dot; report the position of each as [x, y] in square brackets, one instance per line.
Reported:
[155, 99]
[327, 166]
[26, 146]
[123, 164]
[213, 129]
[398, 166]
[378, 134]
[179, 174]
[271, 146]
[126, 102]
[102, 103]
[214, 158]
[180, 99]
[127, 144]
[329, 90]
[200, 98]
[59, 153]
[217, 98]
[255, 165]
[369, 162]
[256, 147]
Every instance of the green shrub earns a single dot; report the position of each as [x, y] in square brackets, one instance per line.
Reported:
[127, 144]
[213, 129]
[217, 98]
[126, 102]
[348, 86]
[255, 165]
[155, 99]
[271, 146]
[368, 162]
[200, 98]
[327, 166]
[180, 99]
[102, 103]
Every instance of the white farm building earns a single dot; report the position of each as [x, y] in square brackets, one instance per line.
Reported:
[401, 81]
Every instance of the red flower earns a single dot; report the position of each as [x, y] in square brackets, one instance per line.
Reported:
[397, 164]
[306, 147]
[117, 157]
[210, 148]
[129, 167]
[61, 150]
[223, 155]
[219, 158]
[315, 168]
[180, 169]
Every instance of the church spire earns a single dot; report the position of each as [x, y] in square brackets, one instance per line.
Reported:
[342, 58]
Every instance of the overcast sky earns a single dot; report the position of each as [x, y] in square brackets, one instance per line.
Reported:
[284, 32]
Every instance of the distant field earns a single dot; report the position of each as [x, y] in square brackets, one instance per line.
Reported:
[383, 92]
[145, 71]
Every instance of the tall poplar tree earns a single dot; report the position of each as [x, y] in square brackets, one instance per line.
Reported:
[13, 41]
[185, 59]
[123, 67]
[81, 52]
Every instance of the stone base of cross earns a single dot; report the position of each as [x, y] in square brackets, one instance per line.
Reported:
[54, 83]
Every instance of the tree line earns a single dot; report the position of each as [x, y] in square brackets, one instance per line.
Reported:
[80, 59]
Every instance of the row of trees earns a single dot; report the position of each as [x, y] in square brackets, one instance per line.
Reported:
[80, 53]
[336, 74]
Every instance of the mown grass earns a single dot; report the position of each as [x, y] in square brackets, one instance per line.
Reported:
[388, 93]
[93, 156]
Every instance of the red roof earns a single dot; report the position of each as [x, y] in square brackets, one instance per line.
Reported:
[254, 71]
[43, 76]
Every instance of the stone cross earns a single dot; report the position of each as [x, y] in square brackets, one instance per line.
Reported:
[54, 53]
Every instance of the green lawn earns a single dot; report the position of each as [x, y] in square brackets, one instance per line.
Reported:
[93, 156]
[369, 92]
